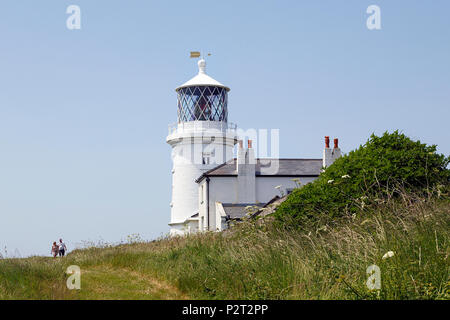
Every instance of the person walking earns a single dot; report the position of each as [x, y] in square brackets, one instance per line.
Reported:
[62, 248]
[55, 249]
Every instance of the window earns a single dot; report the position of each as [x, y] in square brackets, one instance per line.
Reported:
[202, 103]
[206, 157]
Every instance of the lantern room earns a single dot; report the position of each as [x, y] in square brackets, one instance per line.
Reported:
[202, 98]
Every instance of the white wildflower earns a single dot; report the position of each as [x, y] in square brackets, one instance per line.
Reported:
[346, 176]
[279, 188]
[297, 182]
[388, 254]
[330, 181]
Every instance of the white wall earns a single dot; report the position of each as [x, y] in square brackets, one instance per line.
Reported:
[225, 190]
[330, 155]
[265, 186]
[190, 142]
[221, 189]
[184, 173]
[202, 205]
[221, 215]
[246, 167]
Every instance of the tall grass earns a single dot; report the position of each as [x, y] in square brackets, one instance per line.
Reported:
[32, 278]
[327, 262]
[266, 261]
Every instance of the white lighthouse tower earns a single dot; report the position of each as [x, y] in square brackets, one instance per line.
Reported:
[201, 140]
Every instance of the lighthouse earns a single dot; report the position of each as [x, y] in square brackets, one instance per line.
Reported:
[201, 139]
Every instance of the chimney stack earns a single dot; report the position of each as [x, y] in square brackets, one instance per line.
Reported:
[330, 155]
[246, 174]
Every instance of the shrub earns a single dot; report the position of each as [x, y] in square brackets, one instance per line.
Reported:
[380, 168]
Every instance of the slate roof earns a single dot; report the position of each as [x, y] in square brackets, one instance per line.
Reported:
[236, 211]
[271, 167]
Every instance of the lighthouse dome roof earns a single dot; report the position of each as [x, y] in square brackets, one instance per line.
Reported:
[202, 79]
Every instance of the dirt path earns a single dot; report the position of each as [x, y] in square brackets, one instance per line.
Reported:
[106, 282]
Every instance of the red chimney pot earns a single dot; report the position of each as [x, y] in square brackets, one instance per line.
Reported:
[249, 144]
[336, 143]
[327, 142]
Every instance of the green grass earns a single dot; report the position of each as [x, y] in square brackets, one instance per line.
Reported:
[261, 261]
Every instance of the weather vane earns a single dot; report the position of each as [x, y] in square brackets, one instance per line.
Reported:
[197, 54]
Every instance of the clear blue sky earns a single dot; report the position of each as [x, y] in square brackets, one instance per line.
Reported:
[84, 113]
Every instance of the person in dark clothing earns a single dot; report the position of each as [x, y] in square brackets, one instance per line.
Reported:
[62, 248]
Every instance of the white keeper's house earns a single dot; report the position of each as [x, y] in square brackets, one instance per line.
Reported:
[209, 185]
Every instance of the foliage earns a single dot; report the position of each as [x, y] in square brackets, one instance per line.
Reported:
[381, 168]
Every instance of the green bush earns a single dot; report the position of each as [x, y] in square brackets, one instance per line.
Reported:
[381, 168]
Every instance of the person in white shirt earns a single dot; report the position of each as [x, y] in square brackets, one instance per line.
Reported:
[62, 248]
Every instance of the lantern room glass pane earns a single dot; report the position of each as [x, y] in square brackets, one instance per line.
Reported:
[202, 103]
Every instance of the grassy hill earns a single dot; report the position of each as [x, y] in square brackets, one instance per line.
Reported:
[261, 261]
[385, 204]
